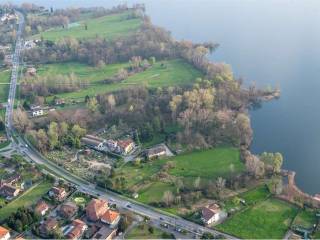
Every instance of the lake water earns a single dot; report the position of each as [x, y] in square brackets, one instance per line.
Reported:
[269, 42]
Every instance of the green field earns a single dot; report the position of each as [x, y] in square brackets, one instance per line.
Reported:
[306, 218]
[269, 219]
[154, 192]
[26, 199]
[208, 164]
[141, 232]
[255, 195]
[4, 87]
[110, 27]
[174, 72]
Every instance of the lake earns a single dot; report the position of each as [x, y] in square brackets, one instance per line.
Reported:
[269, 43]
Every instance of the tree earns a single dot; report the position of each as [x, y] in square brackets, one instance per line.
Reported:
[93, 104]
[196, 183]
[277, 162]
[167, 198]
[220, 184]
[20, 120]
[53, 135]
[77, 131]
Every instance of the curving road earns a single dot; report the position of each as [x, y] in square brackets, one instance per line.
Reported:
[21, 146]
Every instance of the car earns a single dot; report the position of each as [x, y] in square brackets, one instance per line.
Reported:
[161, 218]
[26, 145]
[128, 206]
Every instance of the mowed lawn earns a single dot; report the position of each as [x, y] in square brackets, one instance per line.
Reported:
[269, 219]
[4, 84]
[154, 192]
[306, 218]
[142, 232]
[26, 199]
[110, 27]
[208, 164]
[161, 74]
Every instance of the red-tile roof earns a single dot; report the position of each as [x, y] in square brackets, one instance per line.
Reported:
[109, 216]
[96, 208]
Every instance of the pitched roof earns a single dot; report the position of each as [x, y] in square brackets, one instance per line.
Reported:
[3, 232]
[96, 208]
[104, 233]
[58, 191]
[76, 231]
[109, 216]
[209, 211]
[41, 206]
[68, 209]
[90, 142]
[8, 190]
[50, 224]
[124, 143]
[156, 150]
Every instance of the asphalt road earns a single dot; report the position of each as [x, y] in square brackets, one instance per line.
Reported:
[31, 154]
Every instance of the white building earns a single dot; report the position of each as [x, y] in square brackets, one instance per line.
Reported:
[4, 233]
[37, 113]
[211, 214]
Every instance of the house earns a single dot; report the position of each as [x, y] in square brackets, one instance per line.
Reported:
[211, 214]
[156, 152]
[105, 233]
[13, 179]
[76, 229]
[58, 193]
[59, 101]
[68, 210]
[29, 44]
[4, 233]
[48, 226]
[112, 145]
[31, 71]
[9, 191]
[37, 112]
[110, 217]
[8, 59]
[96, 208]
[41, 208]
[94, 142]
[125, 146]
[317, 197]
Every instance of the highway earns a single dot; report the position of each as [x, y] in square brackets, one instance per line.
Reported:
[21, 146]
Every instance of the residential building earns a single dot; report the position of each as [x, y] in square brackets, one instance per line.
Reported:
[105, 233]
[37, 113]
[68, 210]
[96, 208]
[4, 233]
[41, 208]
[156, 152]
[76, 229]
[9, 191]
[211, 214]
[125, 146]
[48, 226]
[58, 193]
[13, 179]
[94, 142]
[110, 217]
[31, 71]
[59, 101]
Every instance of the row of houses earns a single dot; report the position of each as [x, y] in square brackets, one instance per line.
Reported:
[98, 216]
[8, 17]
[123, 147]
[8, 189]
